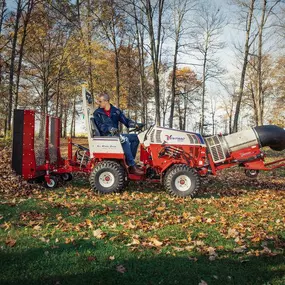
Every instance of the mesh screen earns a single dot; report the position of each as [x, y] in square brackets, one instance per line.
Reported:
[39, 144]
[52, 141]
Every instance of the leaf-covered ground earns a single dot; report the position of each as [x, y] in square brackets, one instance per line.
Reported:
[231, 233]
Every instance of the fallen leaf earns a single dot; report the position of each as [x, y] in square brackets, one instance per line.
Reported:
[240, 249]
[156, 242]
[134, 242]
[178, 248]
[11, 242]
[91, 258]
[99, 234]
[160, 208]
[37, 228]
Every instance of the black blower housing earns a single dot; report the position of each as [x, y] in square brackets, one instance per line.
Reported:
[271, 136]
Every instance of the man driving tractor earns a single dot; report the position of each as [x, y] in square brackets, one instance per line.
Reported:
[107, 118]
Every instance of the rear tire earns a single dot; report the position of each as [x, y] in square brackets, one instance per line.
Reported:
[107, 177]
[251, 173]
[66, 177]
[182, 181]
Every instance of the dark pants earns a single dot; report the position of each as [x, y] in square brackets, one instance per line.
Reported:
[130, 147]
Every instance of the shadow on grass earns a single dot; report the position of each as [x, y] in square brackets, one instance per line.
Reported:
[71, 264]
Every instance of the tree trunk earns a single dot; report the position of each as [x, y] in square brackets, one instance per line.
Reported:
[65, 122]
[180, 114]
[245, 61]
[72, 125]
[89, 46]
[61, 118]
[185, 113]
[21, 52]
[259, 69]
[203, 92]
[117, 70]
[140, 43]
[12, 63]
[213, 123]
[155, 52]
[173, 82]
[57, 97]
[3, 9]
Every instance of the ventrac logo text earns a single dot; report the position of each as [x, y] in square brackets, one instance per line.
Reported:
[171, 137]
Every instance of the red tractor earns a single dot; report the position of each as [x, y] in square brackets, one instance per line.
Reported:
[175, 158]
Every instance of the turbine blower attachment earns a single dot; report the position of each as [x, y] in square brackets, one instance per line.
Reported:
[221, 147]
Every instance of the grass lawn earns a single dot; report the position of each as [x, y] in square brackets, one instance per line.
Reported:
[231, 233]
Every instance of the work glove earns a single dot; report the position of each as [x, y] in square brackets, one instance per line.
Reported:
[139, 126]
[114, 131]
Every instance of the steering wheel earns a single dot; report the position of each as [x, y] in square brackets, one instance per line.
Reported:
[137, 129]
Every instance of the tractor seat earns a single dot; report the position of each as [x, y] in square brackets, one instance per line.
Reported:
[94, 129]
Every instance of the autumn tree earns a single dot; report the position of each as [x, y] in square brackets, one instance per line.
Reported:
[187, 94]
[14, 41]
[112, 23]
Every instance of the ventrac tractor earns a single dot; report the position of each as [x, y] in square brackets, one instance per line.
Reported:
[177, 159]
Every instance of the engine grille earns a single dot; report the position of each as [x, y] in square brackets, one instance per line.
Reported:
[193, 138]
[157, 136]
[152, 136]
[216, 149]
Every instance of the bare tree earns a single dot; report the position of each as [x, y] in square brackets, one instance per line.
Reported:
[12, 62]
[155, 38]
[248, 42]
[228, 101]
[259, 98]
[210, 22]
[179, 8]
[27, 15]
[139, 35]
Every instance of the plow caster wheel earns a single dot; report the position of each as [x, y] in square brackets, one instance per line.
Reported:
[182, 181]
[53, 182]
[66, 177]
[107, 177]
[251, 173]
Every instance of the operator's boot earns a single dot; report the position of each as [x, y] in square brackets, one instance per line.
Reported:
[135, 170]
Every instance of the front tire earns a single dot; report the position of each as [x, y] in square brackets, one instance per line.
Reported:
[52, 184]
[107, 177]
[182, 181]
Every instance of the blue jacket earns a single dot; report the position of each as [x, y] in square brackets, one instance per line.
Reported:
[105, 123]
